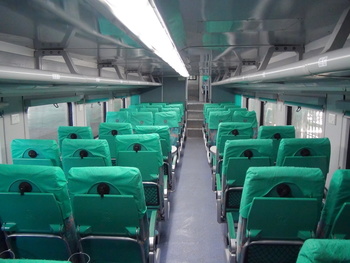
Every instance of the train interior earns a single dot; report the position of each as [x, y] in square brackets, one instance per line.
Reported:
[232, 145]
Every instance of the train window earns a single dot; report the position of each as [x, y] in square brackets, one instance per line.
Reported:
[270, 114]
[44, 120]
[94, 116]
[117, 104]
[253, 105]
[308, 123]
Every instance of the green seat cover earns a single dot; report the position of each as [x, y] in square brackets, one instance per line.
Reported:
[121, 180]
[277, 133]
[36, 213]
[140, 118]
[153, 110]
[177, 110]
[168, 118]
[164, 135]
[37, 152]
[215, 118]
[109, 131]
[129, 110]
[232, 131]
[325, 251]
[262, 181]
[31, 261]
[85, 152]
[117, 116]
[73, 132]
[305, 152]
[338, 195]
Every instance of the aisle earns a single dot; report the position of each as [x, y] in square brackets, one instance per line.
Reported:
[192, 233]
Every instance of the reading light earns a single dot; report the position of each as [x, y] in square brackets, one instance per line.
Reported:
[142, 18]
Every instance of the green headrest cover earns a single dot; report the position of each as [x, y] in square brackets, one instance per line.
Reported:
[268, 132]
[168, 118]
[117, 116]
[97, 148]
[121, 128]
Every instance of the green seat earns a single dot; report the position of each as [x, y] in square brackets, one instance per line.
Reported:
[111, 215]
[279, 210]
[215, 118]
[73, 132]
[130, 109]
[206, 117]
[324, 251]
[140, 118]
[277, 133]
[239, 156]
[144, 152]
[153, 110]
[85, 153]
[246, 116]
[171, 120]
[37, 152]
[164, 136]
[108, 131]
[35, 212]
[305, 152]
[117, 116]
[335, 215]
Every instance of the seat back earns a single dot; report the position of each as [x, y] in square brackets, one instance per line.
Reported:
[73, 132]
[164, 136]
[140, 118]
[215, 118]
[153, 110]
[239, 156]
[117, 116]
[324, 250]
[276, 133]
[108, 132]
[247, 116]
[25, 192]
[306, 152]
[335, 213]
[37, 152]
[170, 119]
[113, 197]
[85, 153]
[232, 131]
[292, 199]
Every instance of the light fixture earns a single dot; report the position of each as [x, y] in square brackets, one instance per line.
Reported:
[143, 19]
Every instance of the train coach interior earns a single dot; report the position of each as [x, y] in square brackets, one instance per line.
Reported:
[230, 145]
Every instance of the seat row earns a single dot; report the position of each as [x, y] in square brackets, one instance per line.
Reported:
[99, 215]
[281, 208]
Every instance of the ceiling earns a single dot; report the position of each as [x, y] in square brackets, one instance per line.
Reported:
[225, 39]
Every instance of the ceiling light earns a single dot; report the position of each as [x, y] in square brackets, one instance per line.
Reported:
[142, 18]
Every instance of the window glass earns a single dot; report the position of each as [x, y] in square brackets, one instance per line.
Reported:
[253, 105]
[308, 123]
[270, 114]
[118, 104]
[43, 121]
[94, 116]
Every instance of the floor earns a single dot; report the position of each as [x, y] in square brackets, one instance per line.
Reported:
[192, 233]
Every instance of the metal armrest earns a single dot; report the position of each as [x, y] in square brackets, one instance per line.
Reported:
[153, 232]
[231, 235]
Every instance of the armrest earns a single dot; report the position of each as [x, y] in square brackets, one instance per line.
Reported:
[165, 186]
[231, 235]
[218, 182]
[153, 233]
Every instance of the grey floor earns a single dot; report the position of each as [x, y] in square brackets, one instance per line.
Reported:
[192, 233]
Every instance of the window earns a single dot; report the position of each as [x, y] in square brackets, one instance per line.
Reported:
[253, 105]
[308, 123]
[43, 121]
[94, 116]
[270, 114]
[118, 104]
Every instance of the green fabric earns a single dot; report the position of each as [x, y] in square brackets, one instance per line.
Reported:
[46, 149]
[177, 110]
[292, 147]
[268, 132]
[149, 142]
[162, 131]
[338, 194]
[96, 148]
[226, 128]
[117, 116]
[325, 251]
[82, 132]
[169, 119]
[245, 116]
[140, 118]
[122, 181]
[217, 117]
[210, 109]
[232, 110]
[122, 128]
[153, 110]
[45, 179]
[129, 110]
[262, 181]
